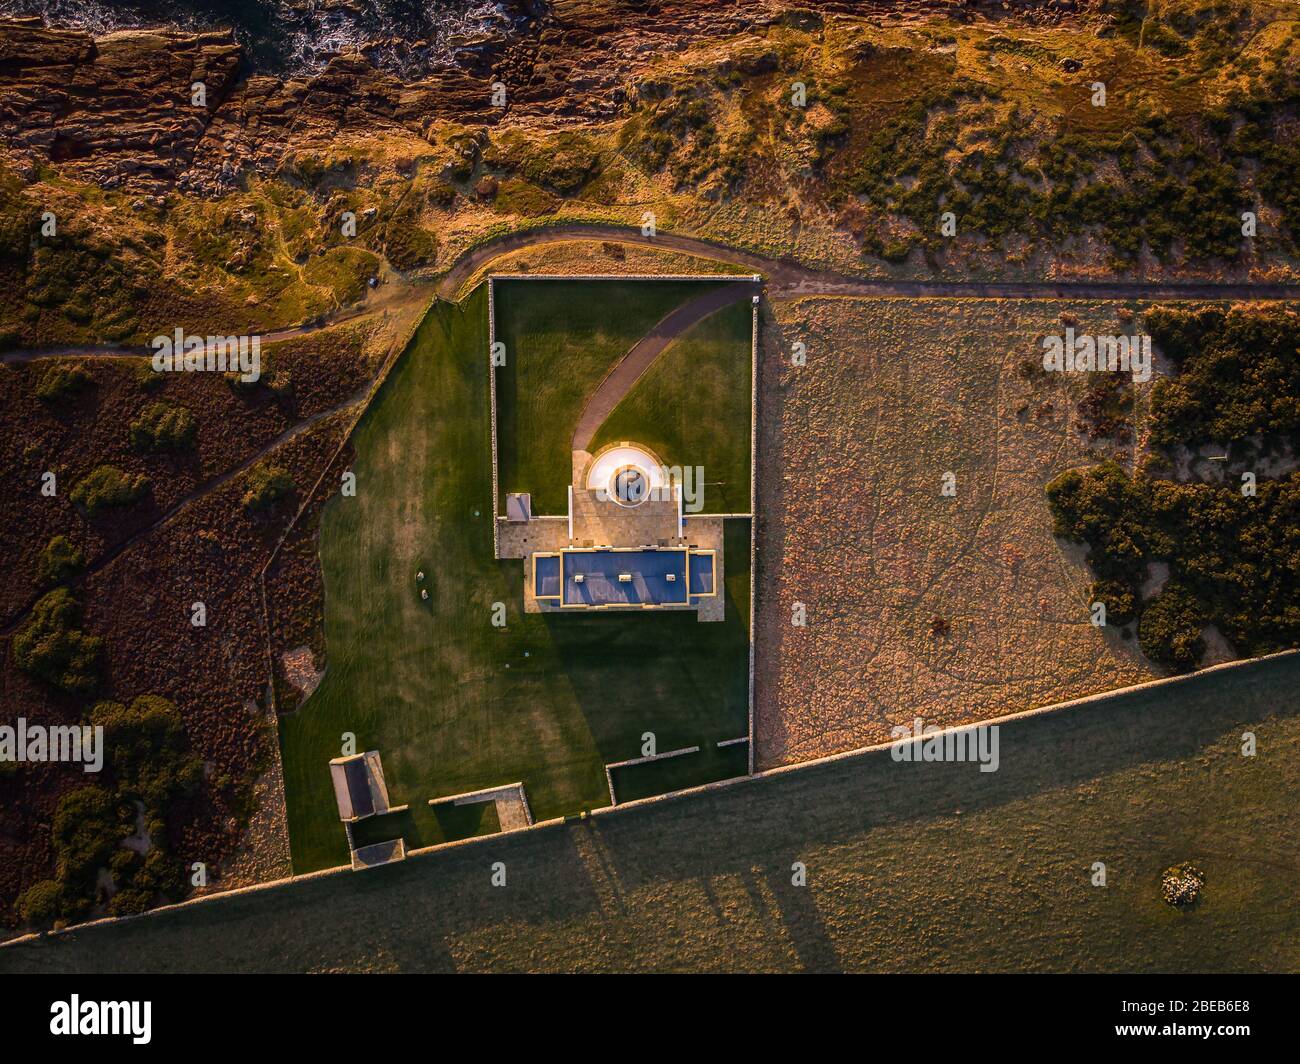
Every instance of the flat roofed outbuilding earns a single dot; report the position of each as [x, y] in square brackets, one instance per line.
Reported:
[359, 786]
[519, 507]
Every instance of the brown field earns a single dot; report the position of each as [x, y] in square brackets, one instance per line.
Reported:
[852, 452]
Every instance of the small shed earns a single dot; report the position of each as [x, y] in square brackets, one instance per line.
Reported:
[519, 507]
[359, 787]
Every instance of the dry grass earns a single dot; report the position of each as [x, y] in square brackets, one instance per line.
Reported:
[852, 454]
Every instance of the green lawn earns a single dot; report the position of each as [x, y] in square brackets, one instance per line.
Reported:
[452, 703]
[692, 407]
[911, 867]
[561, 338]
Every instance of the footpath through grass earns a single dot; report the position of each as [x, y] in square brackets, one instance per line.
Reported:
[562, 338]
[451, 702]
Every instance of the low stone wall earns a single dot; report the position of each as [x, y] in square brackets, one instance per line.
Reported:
[492, 404]
[609, 769]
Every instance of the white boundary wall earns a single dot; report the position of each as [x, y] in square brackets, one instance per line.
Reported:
[492, 400]
[609, 769]
[749, 278]
[753, 511]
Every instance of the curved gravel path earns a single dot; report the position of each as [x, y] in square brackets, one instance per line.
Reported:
[620, 380]
[787, 279]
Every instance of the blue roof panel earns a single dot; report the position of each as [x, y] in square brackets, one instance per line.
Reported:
[625, 578]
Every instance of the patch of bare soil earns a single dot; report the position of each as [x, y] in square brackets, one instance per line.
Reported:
[299, 667]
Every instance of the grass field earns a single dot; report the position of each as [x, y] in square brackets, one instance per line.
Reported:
[853, 451]
[674, 773]
[561, 338]
[911, 867]
[452, 703]
[692, 407]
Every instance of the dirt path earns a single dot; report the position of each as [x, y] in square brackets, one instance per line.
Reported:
[787, 279]
[783, 279]
[619, 380]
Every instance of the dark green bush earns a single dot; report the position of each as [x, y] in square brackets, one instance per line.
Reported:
[1170, 629]
[41, 904]
[1239, 378]
[106, 486]
[267, 484]
[1234, 558]
[60, 559]
[163, 427]
[51, 646]
[88, 825]
[1119, 598]
[145, 747]
[62, 381]
[150, 769]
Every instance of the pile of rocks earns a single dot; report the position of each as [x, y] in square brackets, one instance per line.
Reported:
[1181, 885]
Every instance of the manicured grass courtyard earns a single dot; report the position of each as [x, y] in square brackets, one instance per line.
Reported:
[692, 407]
[561, 338]
[451, 702]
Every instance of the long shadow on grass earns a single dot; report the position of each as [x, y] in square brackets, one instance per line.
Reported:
[830, 803]
[410, 916]
[668, 674]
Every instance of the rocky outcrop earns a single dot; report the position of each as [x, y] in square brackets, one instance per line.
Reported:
[115, 111]
[119, 111]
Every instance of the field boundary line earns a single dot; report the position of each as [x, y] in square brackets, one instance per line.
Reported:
[747, 277]
[492, 409]
[753, 511]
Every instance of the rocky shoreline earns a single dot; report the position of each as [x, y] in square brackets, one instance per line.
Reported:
[117, 110]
